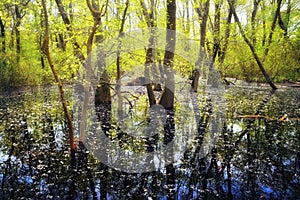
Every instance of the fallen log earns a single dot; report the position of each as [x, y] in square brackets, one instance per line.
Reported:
[282, 118]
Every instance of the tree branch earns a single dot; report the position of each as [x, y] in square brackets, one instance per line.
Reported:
[57, 79]
[259, 63]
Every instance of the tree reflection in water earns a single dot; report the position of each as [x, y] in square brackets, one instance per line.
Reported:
[257, 155]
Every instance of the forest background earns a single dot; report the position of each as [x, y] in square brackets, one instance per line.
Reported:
[75, 27]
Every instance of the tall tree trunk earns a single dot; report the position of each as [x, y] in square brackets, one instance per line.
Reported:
[46, 50]
[223, 50]
[71, 11]
[97, 14]
[148, 63]
[118, 64]
[253, 21]
[2, 36]
[12, 38]
[17, 31]
[41, 39]
[103, 112]
[76, 47]
[203, 17]
[258, 61]
[154, 67]
[288, 12]
[88, 68]
[264, 24]
[284, 24]
[167, 98]
[273, 26]
[61, 43]
[149, 16]
[216, 28]
[188, 21]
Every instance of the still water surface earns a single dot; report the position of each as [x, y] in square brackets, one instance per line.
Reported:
[256, 155]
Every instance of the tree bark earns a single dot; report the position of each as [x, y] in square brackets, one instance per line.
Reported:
[118, 64]
[203, 17]
[2, 30]
[273, 26]
[223, 50]
[284, 24]
[102, 93]
[148, 63]
[253, 22]
[149, 16]
[76, 47]
[264, 24]
[167, 98]
[259, 63]
[61, 43]
[288, 13]
[217, 27]
[97, 14]
[17, 32]
[46, 51]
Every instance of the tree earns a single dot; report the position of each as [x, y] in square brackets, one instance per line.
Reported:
[46, 50]
[203, 17]
[76, 47]
[224, 47]
[167, 98]
[259, 63]
[2, 35]
[19, 14]
[276, 15]
[149, 61]
[253, 21]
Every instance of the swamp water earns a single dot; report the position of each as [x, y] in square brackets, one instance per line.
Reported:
[256, 154]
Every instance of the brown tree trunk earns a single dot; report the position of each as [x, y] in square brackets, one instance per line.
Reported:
[118, 64]
[187, 21]
[217, 27]
[284, 24]
[253, 23]
[12, 39]
[87, 64]
[203, 17]
[2, 36]
[76, 47]
[71, 11]
[102, 93]
[273, 26]
[46, 50]
[223, 50]
[259, 63]
[19, 14]
[61, 43]
[167, 98]
[17, 31]
[288, 12]
[149, 63]
[264, 24]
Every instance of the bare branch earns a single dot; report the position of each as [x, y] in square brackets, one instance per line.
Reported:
[96, 11]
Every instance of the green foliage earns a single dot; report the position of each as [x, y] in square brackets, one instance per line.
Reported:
[282, 62]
